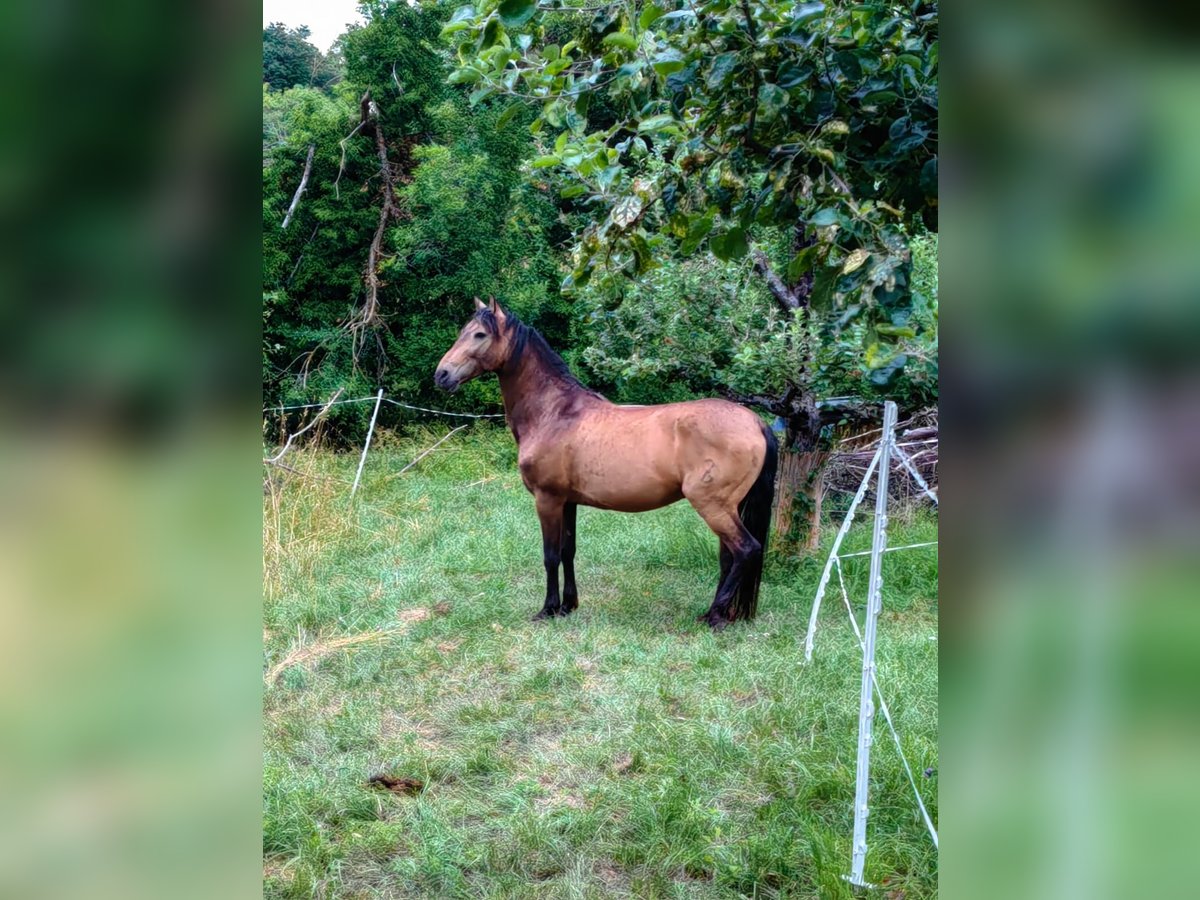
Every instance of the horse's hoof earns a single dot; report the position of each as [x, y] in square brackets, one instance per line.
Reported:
[715, 621]
[544, 614]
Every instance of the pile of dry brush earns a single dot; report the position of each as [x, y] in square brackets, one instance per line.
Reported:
[916, 436]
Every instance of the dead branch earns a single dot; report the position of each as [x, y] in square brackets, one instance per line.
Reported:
[342, 165]
[788, 298]
[918, 436]
[274, 460]
[427, 452]
[389, 209]
[287, 220]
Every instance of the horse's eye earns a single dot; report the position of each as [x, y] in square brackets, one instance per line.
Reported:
[480, 334]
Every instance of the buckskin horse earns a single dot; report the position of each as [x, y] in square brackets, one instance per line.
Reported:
[575, 447]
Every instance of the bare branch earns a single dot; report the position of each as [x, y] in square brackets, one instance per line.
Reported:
[752, 33]
[789, 299]
[342, 164]
[274, 460]
[300, 190]
[387, 210]
[428, 451]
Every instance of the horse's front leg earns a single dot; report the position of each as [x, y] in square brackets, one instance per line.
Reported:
[550, 512]
[570, 596]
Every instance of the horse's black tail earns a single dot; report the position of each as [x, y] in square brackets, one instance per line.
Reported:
[755, 513]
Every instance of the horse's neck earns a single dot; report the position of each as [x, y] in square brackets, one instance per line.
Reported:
[533, 395]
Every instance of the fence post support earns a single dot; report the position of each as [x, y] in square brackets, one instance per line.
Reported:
[366, 446]
[866, 706]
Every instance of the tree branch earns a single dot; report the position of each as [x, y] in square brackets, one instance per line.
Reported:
[752, 32]
[788, 298]
[287, 220]
[274, 460]
[774, 405]
[387, 210]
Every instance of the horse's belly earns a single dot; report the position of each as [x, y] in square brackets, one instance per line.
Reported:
[623, 484]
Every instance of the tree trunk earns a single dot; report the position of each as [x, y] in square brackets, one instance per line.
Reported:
[799, 487]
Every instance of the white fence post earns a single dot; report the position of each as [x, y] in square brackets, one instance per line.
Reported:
[866, 708]
[833, 555]
[366, 446]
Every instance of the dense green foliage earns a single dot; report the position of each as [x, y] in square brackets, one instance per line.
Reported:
[627, 178]
[810, 127]
[290, 60]
[468, 223]
[695, 327]
[626, 751]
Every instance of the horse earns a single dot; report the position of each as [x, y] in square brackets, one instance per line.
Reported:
[574, 447]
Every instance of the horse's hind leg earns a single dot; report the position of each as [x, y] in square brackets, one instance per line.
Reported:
[570, 595]
[737, 546]
[726, 560]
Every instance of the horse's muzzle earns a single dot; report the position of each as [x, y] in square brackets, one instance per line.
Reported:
[443, 379]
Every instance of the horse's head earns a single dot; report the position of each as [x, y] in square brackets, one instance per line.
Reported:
[482, 346]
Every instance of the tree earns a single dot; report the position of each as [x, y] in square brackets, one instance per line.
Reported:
[461, 220]
[799, 137]
[290, 60]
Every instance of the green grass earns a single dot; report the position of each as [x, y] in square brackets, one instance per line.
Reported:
[625, 751]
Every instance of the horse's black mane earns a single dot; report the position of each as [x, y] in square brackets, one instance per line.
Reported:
[527, 338]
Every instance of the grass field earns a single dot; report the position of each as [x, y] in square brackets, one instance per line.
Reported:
[625, 751]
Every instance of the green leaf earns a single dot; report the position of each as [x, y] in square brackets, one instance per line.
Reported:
[773, 99]
[464, 76]
[802, 263]
[929, 178]
[478, 94]
[620, 39]
[721, 70]
[806, 11]
[670, 60]
[655, 123]
[572, 190]
[730, 245]
[507, 116]
[650, 13]
[491, 34]
[515, 13]
[823, 218]
[545, 162]
[554, 114]
[697, 231]
[879, 98]
[793, 73]
[459, 21]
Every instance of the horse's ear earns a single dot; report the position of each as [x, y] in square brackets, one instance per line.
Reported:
[479, 304]
[493, 305]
